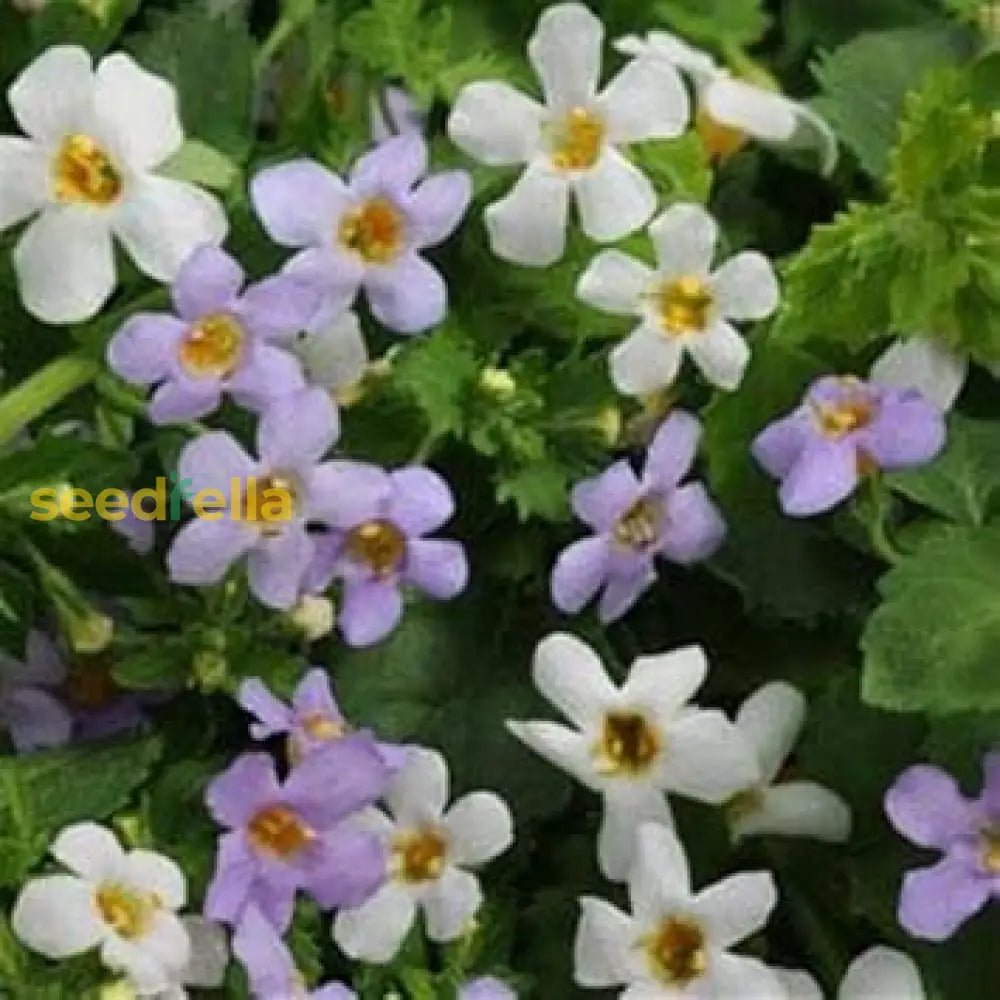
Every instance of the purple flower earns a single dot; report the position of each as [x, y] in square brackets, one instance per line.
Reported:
[634, 521]
[137, 532]
[486, 988]
[292, 436]
[927, 807]
[368, 232]
[843, 430]
[379, 520]
[393, 111]
[312, 721]
[31, 714]
[220, 340]
[270, 966]
[291, 836]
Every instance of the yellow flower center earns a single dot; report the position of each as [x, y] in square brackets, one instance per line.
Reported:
[639, 526]
[684, 305]
[720, 141]
[321, 727]
[375, 230]
[83, 173]
[851, 414]
[577, 140]
[378, 543]
[628, 744]
[280, 832]
[419, 855]
[676, 951]
[269, 501]
[127, 911]
[991, 850]
[212, 347]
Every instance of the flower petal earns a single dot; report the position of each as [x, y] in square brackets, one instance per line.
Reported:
[745, 287]
[450, 903]
[65, 265]
[279, 307]
[140, 110]
[684, 238]
[579, 572]
[314, 695]
[437, 205]
[824, 475]
[209, 960]
[627, 806]
[56, 916]
[259, 948]
[154, 961]
[927, 807]
[345, 493]
[350, 867]
[737, 976]
[660, 875]
[335, 355]
[273, 715]
[924, 364]
[163, 221]
[572, 677]
[202, 551]
[54, 96]
[90, 851]
[144, 350]
[479, 827]
[603, 944]
[934, 902]
[797, 809]
[152, 872]
[561, 746]
[276, 566]
[374, 931]
[391, 167]
[211, 462]
[736, 907]
[777, 448]
[881, 973]
[235, 871]
[421, 501]
[437, 566]
[664, 683]
[800, 985]
[771, 720]
[528, 226]
[23, 171]
[645, 362]
[672, 451]
[297, 430]
[183, 399]
[615, 283]
[721, 355]
[624, 589]
[645, 100]
[695, 527]
[208, 281]
[408, 296]
[268, 374]
[565, 51]
[907, 431]
[418, 793]
[299, 202]
[761, 113]
[242, 789]
[601, 500]
[614, 198]
[372, 609]
[495, 124]
[35, 719]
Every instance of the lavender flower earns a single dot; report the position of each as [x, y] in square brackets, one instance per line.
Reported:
[137, 532]
[291, 438]
[393, 111]
[635, 520]
[927, 807]
[270, 966]
[312, 721]
[843, 430]
[31, 714]
[368, 232]
[221, 340]
[377, 545]
[486, 988]
[291, 836]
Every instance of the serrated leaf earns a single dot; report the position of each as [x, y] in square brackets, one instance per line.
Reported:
[715, 22]
[537, 490]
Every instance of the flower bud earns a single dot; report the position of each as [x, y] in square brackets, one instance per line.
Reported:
[88, 633]
[120, 990]
[211, 669]
[497, 382]
[313, 617]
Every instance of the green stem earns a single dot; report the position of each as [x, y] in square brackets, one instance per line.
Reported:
[43, 390]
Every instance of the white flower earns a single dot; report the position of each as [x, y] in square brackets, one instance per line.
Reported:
[684, 305]
[571, 143]
[731, 110]
[431, 849]
[675, 943]
[86, 173]
[879, 974]
[334, 355]
[634, 743]
[927, 365]
[770, 721]
[124, 902]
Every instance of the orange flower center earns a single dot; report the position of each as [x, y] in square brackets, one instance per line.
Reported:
[720, 141]
[628, 744]
[84, 174]
[212, 347]
[676, 951]
[577, 140]
[125, 910]
[854, 412]
[991, 850]
[684, 305]
[419, 855]
[280, 832]
[374, 230]
[378, 543]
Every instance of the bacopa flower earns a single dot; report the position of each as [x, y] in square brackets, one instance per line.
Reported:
[685, 306]
[733, 111]
[571, 143]
[33, 716]
[205, 969]
[927, 807]
[676, 942]
[270, 966]
[283, 837]
[632, 744]
[879, 974]
[367, 233]
[311, 722]
[292, 436]
[635, 520]
[124, 902]
[431, 850]
[844, 429]
[926, 364]
[377, 545]
[770, 721]
[223, 338]
[86, 172]
[333, 355]
[393, 111]
[486, 988]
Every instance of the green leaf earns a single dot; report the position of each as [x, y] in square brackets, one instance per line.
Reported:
[679, 168]
[931, 645]
[540, 489]
[715, 22]
[199, 163]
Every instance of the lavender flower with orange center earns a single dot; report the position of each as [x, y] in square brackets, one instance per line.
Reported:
[846, 429]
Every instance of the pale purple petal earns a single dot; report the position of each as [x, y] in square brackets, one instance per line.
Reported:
[824, 475]
[248, 785]
[927, 807]
[314, 696]
[297, 430]
[345, 493]
[327, 550]
[331, 275]
[437, 205]
[43, 663]
[235, 871]
[299, 202]
[392, 112]
[408, 296]
[276, 566]
[777, 448]
[144, 350]
[579, 573]
[212, 461]
[602, 500]
[936, 901]
[372, 609]
[990, 798]
[421, 500]
[392, 167]
[350, 868]
[906, 431]
[267, 375]
[672, 451]
[139, 534]
[486, 988]
[208, 282]
[695, 527]
[183, 399]
[267, 960]
[333, 991]
[35, 719]
[273, 715]
[623, 591]
[277, 308]
[203, 550]
[437, 566]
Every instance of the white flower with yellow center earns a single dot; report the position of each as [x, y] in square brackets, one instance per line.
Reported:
[684, 306]
[431, 848]
[572, 142]
[124, 902]
[676, 942]
[770, 721]
[632, 744]
[733, 111]
[85, 174]
[879, 974]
